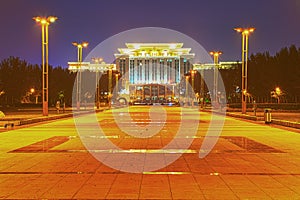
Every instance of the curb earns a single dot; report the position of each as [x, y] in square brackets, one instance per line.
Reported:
[244, 116]
[286, 123]
[255, 118]
[46, 118]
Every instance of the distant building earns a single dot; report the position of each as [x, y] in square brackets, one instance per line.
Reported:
[152, 72]
[149, 70]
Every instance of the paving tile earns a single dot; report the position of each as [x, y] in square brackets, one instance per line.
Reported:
[219, 194]
[238, 182]
[155, 186]
[226, 173]
[281, 193]
[184, 186]
[14, 183]
[289, 181]
[251, 193]
[96, 187]
[125, 186]
[37, 186]
[265, 182]
[211, 182]
[67, 187]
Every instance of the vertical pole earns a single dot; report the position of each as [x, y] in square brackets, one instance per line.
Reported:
[246, 63]
[80, 72]
[243, 73]
[109, 81]
[117, 84]
[193, 81]
[216, 61]
[186, 89]
[97, 90]
[202, 87]
[45, 68]
[173, 91]
[78, 79]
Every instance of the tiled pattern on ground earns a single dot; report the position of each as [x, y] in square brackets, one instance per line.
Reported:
[231, 171]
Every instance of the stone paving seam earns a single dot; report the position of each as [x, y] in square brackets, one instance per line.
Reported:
[73, 196]
[110, 187]
[286, 186]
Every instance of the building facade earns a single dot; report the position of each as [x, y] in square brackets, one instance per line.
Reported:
[152, 71]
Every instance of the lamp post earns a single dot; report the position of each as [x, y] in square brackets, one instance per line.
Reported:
[97, 61]
[117, 83]
[45, 22]
[110, 81]
[245, 37]
[216, 55]
[78, 77]
[187, 89]
[202, 87]
[193, 72]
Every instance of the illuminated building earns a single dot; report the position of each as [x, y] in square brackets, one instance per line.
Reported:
[153, 70]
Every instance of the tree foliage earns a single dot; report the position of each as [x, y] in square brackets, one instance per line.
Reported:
[266, 72]
[17, 77]
[281, 70]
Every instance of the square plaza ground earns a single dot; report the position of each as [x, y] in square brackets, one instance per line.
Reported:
[249, 161]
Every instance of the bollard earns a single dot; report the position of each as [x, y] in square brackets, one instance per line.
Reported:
[254, 107]
[267, 115]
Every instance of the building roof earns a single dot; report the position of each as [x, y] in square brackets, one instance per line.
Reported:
[153, 50]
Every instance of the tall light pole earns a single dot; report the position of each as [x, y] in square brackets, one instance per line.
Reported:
[109, 96]
[78, 77]
[202, 95]
[193, 72]
[245, 37]
[45, 22]
[110, 81]
[97, 61]
[216, 55]
[117, 83]
[187, 89]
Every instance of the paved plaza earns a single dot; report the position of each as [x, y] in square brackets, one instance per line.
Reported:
[251, 160]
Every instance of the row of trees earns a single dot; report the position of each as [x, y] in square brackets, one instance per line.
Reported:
[17, 78]
[282, 70]
[266, 73]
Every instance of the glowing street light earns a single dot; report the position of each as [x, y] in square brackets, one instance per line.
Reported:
[78, 77]
[45, 22]
[216, 55]
[277, 93]
[245, 37]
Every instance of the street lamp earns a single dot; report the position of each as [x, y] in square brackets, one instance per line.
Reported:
[117, 83]
[187, 89]
[193, 72]
[245, 37]
[78, 77]
[97, 61]
[216, 55]
[45, 22]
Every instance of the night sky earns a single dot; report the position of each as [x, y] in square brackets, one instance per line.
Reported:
[210, 23]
